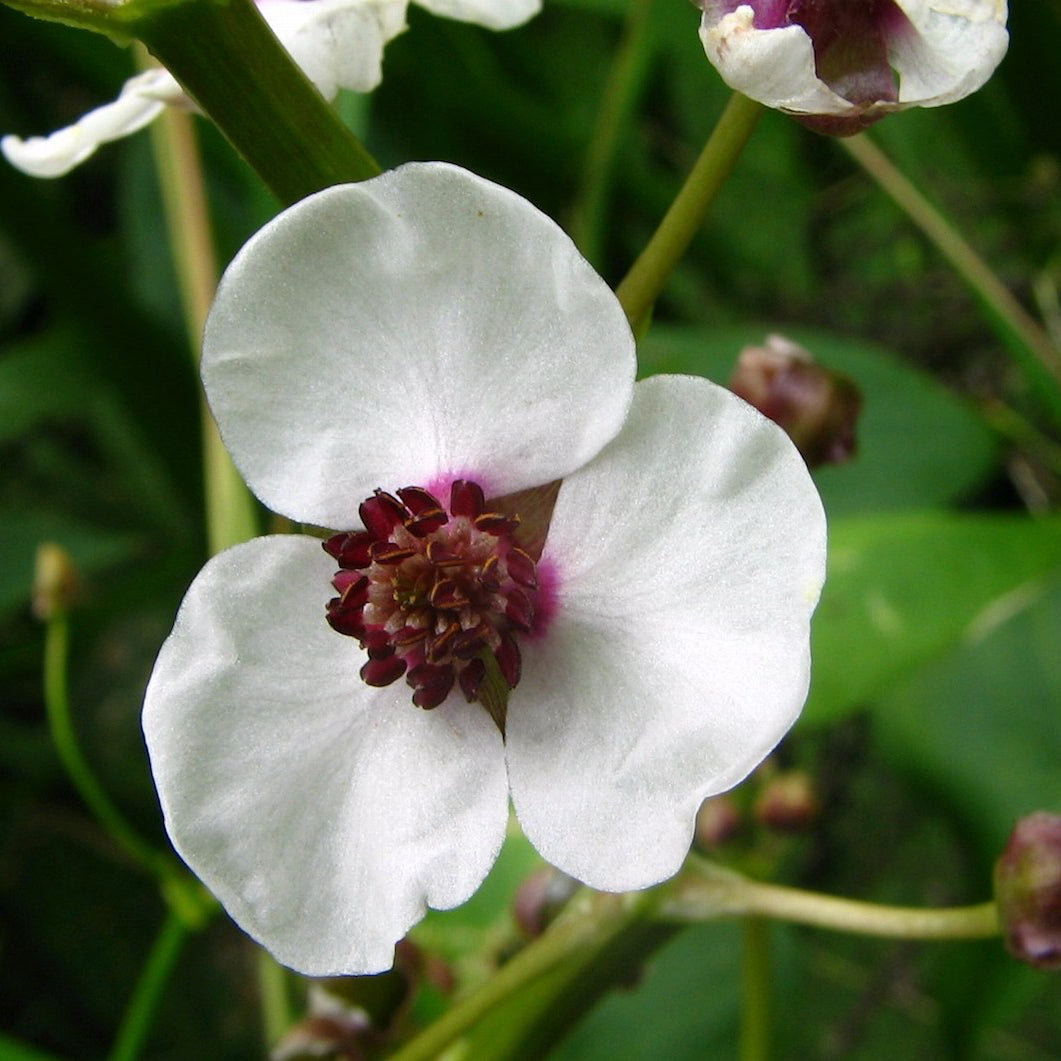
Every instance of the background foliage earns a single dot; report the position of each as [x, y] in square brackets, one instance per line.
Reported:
[934, 718]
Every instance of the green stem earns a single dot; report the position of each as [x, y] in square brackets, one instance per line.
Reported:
[231, 64]
[1028, 343]
[621, 91]
[707, 891]
[57, 704]
[273, 998]
[646, 279]
[141, 1010]
[755, 990]
[231, 513]
[591, 922]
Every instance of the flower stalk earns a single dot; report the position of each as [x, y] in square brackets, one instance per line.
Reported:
[642, 284]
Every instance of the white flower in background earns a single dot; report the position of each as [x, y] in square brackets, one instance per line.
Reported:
[337, 43]
[436, 336]
[841, 64]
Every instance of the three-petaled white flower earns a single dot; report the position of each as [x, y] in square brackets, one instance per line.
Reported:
[434, 335]
[337, 43]
[840, 65]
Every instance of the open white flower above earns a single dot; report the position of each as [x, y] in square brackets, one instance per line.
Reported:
[841, 65]
[415, 362]
[337, 43]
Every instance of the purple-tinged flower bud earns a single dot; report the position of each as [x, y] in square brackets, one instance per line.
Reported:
[817, 407]
[55, 581]
[717, 820]
[1028, 891]
[540, 897]
[789, 803]
[837, 65]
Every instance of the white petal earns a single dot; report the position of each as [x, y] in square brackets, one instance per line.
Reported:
[773, 66]
[337, 43]
[322, 813]
[421, 325]
[493, 14]
[141, 101]
[690, 555]
[954, 47]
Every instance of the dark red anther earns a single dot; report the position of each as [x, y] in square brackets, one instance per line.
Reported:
[344, 579]
[471, 678]
[496, 523]
[488, 574]
[509, 660]
[432, 684]
[447, 595]
[351, 549]
[389, 554]
[409, 636]
[347, 622]
[381, 513]
[418, 500]
[439, 553]
[466, 498]
[426, 522]
[439, 646]
[518, 609]
[380, 672]
[521, 568]
[471, 642]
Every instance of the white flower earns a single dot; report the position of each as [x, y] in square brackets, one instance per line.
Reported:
[337, 43]
[430, 329]
[840, 60]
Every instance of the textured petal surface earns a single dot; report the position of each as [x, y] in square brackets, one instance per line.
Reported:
[690, 555]
[422, 324]
[954, 48]
[337, 43]
[493, 14]
[141, 101]
[322, 813]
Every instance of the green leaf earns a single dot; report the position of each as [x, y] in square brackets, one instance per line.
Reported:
[903, 589]
[919, 445]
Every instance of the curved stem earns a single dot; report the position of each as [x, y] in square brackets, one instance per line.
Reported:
[57, 705]
[625, 79]
[141, 1010]
[648, 275]
[231, 513]
[708, 891]
[1029, 344]
[590, 921]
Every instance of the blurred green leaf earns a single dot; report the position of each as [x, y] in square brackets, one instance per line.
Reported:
[903, 589]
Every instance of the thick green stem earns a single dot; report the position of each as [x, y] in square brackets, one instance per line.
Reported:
[646, 279]
[755, 990]
[231, 514]
[149, 989]
[231, 64]
[621, 91]
[1028, 343]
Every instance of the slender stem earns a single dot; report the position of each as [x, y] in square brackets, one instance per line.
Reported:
[232, 65]
[590, 921]
[274, 998]
[755, 990]
[1027, 342]
[625, 80]
[231, 514]
[708, 891]
[57, 705]
[156, 972]
[648, 275]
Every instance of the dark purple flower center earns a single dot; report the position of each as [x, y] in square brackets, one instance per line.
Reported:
[850, 40]
[436, 594]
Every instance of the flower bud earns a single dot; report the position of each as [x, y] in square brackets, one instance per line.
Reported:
[1028, 891]
[717, 820]
[540, 897]
[55, 581]
[837, 66]
[332, 1030]
[817, 407]
[789, 802]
